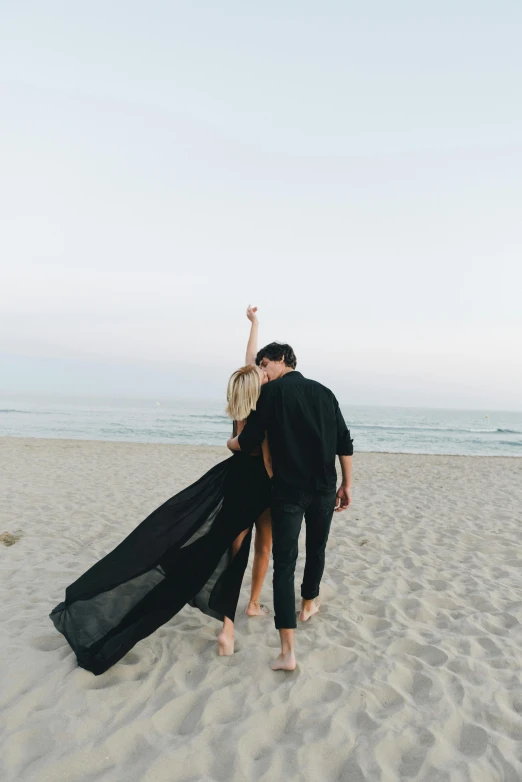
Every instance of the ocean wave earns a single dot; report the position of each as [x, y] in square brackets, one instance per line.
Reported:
[405, 428]
[197, 416]
[214, 417]
[26, 412]
[205, 419]
[133, 430]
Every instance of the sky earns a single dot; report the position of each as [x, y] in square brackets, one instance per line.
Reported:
[354, 169]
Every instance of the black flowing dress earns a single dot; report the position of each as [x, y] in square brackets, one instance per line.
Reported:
[181, 554]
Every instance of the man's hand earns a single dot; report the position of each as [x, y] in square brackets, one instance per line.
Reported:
[343, 498]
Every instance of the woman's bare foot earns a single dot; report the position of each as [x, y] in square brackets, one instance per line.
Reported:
[225, 644]
[285, 662]
[255, 608]
[308, 609]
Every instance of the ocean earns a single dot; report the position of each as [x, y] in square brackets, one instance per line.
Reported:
[203, 422]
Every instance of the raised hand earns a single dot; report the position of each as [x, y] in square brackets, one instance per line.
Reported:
[251, 313]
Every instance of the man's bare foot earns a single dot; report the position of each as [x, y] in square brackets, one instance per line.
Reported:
[225, 644]
[255, 608]
[285, 662]
[308, 609]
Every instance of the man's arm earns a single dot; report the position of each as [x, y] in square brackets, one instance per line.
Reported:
[233, 444]
[344, 494]
[254, 431]
[344, 441]
[253, 434]
[345, 453]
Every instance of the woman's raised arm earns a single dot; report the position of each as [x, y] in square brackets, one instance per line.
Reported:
[251, 351]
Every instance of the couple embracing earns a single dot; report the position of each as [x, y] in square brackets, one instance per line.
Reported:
[194, 548]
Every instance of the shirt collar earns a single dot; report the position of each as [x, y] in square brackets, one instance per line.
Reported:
[295, 374]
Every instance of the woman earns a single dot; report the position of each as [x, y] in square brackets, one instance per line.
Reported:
[193, 549]
[263, 537]
[242, 396]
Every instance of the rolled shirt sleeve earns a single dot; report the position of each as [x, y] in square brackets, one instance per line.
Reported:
[344, 441]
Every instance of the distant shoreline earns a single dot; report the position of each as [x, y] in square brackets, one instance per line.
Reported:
[127, 398]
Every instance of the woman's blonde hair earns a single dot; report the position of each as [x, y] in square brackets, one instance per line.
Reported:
[243, 392]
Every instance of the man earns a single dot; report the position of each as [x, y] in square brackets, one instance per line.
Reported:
[305, 430]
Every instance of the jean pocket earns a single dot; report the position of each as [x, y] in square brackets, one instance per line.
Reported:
[286, 495]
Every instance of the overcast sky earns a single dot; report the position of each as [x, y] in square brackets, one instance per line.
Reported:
[355, 169]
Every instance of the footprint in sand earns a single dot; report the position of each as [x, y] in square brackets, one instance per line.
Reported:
[421, 688]
[473, 740]
[429, 654]
[48, 643]
[352, 771]
[413, 759]
[316, 691]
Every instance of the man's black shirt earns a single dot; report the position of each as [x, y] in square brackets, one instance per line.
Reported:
[305, 429]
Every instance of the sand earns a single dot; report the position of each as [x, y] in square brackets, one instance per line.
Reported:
[411, 671]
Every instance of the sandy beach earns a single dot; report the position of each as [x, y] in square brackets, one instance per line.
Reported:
[411, 671]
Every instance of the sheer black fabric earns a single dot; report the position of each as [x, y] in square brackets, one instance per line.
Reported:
[181, 554]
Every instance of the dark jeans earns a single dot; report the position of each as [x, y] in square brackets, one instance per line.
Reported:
[288, 506]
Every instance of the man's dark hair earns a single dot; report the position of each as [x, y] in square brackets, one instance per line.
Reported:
[277, 351]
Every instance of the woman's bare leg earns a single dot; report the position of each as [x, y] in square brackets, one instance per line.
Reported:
[262, 549]
[226, 636]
